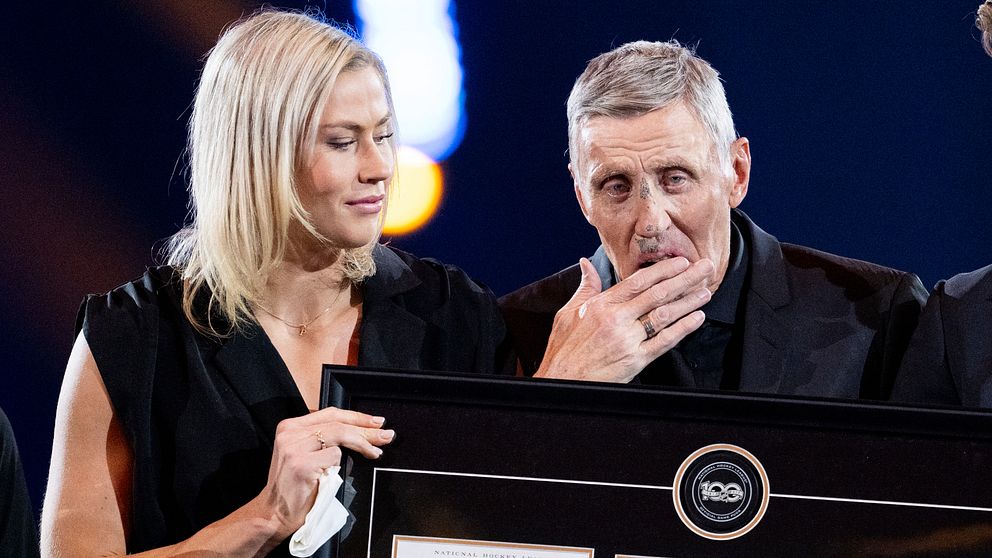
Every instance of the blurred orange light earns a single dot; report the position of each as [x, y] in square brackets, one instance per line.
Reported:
[415, 194]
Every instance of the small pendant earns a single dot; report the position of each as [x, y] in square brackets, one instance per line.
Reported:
[303, 330]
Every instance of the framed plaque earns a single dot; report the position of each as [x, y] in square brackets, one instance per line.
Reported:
[494, 467]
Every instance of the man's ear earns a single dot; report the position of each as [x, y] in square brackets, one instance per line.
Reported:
[579, 195]
[740, 161]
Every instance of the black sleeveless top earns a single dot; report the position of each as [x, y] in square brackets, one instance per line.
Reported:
[200, 413]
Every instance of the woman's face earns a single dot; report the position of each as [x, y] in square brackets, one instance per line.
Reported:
[344, 183]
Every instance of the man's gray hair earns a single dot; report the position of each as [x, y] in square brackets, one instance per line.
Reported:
[643, 76]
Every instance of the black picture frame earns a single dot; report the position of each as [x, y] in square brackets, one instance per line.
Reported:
[589, 465]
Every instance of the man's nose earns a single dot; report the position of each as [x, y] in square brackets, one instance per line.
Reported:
[653, 214]
[375, 164]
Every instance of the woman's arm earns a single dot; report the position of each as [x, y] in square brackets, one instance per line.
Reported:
[86, 507]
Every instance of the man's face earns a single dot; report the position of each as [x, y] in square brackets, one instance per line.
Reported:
[653, 187]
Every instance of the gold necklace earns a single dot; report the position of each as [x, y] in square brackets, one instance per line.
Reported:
[303, 326]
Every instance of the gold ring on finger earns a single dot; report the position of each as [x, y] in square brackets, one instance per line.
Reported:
[320, 438]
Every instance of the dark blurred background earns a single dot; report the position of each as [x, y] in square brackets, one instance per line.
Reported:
[869, 126]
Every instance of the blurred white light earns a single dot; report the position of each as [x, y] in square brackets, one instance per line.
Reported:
[416, 40]
[416, 13]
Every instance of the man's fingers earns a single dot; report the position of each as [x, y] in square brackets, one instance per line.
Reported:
[672, 289]
[665, 315]
[699, 272]
[671, 335]
[644, 279]
[589, 285]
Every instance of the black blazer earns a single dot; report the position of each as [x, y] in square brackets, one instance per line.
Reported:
[200, 413]
[815, 324]
[949, 360]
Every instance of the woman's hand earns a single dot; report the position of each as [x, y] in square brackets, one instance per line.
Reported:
[87, 505]
[304, 447]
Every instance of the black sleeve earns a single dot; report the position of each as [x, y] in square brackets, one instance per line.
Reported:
[924, 376]
[495, 352]
[529, 315]
[488, 332]
[902, 317]
[121, 329]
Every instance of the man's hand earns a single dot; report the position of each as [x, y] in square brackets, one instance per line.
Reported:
[606, 336]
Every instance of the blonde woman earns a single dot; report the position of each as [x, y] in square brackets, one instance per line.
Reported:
[187, 422]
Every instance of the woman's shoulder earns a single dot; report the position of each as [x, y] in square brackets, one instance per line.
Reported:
[152, 284]
[133, 301]
[402, 271]
[466, 332]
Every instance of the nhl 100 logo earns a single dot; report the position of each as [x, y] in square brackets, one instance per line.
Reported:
[721, 492]
[718, 492]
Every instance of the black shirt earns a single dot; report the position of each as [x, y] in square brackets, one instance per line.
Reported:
[709, 357]
[200, 413]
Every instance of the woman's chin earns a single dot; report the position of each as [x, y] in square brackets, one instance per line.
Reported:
[353, 239]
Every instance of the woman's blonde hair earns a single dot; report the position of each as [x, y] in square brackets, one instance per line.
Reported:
[984, 22]
[252, 129]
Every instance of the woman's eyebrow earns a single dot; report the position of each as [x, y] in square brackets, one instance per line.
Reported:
[353, 126]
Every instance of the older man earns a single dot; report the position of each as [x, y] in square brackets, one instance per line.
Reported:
[686, 290]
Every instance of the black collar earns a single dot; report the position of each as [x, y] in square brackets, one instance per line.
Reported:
[392, 275]
[723, 306]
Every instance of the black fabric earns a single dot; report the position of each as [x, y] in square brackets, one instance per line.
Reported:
[813, 323]
[18, 528]
[709, 358]
[200, 414]
[949, 360]
[725, 303]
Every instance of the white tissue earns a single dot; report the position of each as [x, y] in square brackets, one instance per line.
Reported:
[325, 518]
